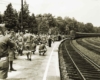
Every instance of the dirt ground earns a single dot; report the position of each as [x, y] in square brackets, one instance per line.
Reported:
[40, 68]
[29, 70]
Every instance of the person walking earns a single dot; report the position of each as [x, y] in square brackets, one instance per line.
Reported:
[27, 44]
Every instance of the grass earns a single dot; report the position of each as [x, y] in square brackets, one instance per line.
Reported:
[88, 46]
[95, 42]
[92, 55]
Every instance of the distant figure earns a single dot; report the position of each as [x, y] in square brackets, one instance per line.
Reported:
[37, 39]
[72, 34]
[42, 49]
[49, 41]
[59, 37]
[20, 43]
[53, 38]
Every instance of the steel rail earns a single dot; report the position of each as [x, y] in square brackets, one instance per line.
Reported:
[82, 76]
[85, 57]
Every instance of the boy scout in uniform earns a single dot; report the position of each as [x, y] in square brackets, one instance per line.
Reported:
[33, 46]
[20, 43]
[11, 51]
[5, 44]
[42, 48]
[27, 44]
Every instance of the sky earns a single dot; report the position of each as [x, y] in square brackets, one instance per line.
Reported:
[82, 10]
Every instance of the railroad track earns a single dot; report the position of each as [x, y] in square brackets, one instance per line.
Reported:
[97, 43]
[79, 67]
[88, 46]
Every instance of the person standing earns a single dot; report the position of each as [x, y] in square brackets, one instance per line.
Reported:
[49, 41]
[14, 39]
[5, 44]
[33, 47]
[20, 43]
[11, 51]
[11, 58]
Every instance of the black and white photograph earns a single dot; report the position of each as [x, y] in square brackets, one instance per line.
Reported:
[49, 39]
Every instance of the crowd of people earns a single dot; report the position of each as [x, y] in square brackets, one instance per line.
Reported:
[12, 44]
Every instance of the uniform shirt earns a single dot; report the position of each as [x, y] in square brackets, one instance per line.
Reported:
[42, 46]
[33, 46]
[44, 40]
[27, 41]
[5, 44]
[27, 37]
[20, 39]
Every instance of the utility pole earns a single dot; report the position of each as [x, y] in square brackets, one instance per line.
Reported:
[21, 15]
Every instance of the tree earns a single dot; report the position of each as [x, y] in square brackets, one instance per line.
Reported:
[89, 27]
[75, 24]
[49, 19]
[1, 18]
[38, 18]
[25, 17]
[70, 23]
[96, 29]
[43, 28]
[16, 19]
[61, 24]
[33, 24]
[81, 27]
[10, 18]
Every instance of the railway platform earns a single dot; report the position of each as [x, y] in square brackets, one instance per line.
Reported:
[53, 70]
[40, 68]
